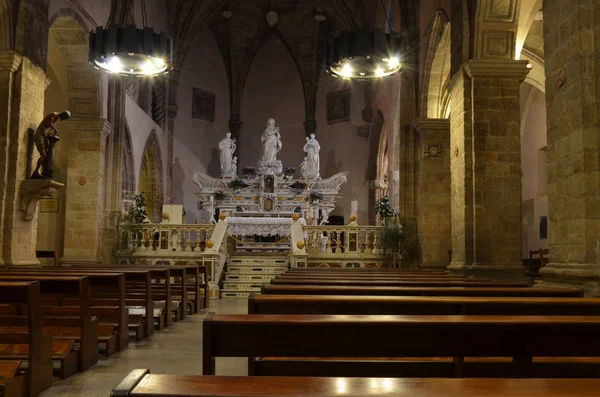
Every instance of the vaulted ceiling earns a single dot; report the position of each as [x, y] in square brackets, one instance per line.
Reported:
[240, 36]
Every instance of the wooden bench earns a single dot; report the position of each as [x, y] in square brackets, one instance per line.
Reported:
[12, 383]
[417, 291]
[537, 260]
[378, 276]
[140, 383]
[110, 313]
[421, 305]
[397, 283]
[38, 375]
[415, 336]
[346, 270]
[55, 320]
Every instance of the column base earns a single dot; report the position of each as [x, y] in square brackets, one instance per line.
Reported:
[572, 275]
[496, 272]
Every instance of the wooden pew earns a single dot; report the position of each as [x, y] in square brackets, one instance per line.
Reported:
[417, 291]
[380, 277]
[54, 318]
[161, 291]
[422, 305]
[140, 383]
[345, 270]
[112, 312]
[324, 336]
[38, 376]
[397, 283]
[12, 383]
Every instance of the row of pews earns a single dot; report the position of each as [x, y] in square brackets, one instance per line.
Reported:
[363, 332]
[57, 321]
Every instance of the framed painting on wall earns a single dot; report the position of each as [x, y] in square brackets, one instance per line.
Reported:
[203, 105]
[338, 106]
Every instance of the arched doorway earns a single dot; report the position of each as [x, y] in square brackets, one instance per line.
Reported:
[151, 179]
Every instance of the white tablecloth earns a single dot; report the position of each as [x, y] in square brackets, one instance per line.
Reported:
[242, 226]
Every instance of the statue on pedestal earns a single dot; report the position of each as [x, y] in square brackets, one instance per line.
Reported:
[312, 167]
[228, 162]
[271, 142]
[45, 138]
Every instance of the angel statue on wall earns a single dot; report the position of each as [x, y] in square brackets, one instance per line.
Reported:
[45, 138]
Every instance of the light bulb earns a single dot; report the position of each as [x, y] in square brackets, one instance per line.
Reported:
[114, 64]
[159, 62]
[393, 62]
[347, 70]
[379, 72]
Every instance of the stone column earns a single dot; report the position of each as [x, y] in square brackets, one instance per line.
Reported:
[85, 189]
[486, 168]
[22, 86]
[433, 194]
[573, 103]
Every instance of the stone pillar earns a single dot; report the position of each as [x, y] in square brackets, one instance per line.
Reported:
[433, 194]
[84, 196]
[22, 86]
[486, 168]
[573, 102]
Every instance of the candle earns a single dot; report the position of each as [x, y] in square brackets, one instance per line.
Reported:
[354, 207]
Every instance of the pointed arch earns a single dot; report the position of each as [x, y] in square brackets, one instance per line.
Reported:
[151, 178]
[436, 76]
[377, 169]
[128, 180]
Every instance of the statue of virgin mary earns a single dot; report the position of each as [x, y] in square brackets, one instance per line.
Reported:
[271, 142]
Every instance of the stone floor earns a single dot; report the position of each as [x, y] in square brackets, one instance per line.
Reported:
[175, 350]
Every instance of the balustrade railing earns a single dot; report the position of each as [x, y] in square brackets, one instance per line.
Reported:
[164, 237]
[342, 240]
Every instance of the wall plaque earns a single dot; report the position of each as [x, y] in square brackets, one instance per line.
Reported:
[51, 205]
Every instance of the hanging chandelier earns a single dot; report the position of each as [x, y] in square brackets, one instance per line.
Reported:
[364, 54]
[129, 51]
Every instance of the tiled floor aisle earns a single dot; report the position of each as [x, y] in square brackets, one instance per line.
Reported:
[176, 350]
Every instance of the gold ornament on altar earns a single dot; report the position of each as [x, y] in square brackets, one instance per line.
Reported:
[352, 218]
[295, 217]
[209, 244]
[165, 216]
[222, 216]
[300, 244]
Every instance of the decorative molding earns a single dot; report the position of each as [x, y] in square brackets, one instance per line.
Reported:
[497, 68]
[10, 60]
[33, 190]
[500, 11]
[432, 124]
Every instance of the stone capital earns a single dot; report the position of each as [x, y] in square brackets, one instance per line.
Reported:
[497, 68]
[172, 110]
[432, 124]
[10, 61]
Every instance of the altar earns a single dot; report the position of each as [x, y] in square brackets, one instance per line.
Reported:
[271, 190]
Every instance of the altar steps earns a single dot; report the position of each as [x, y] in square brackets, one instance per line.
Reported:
[246, 273]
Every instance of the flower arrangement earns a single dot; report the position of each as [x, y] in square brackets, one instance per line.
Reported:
[219, 195]
[289, 171]
[237, 184]
[315, 196]
[249, 172]
[137, 212]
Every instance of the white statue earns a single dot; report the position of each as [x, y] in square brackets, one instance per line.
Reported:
[304, 167]
[271, 142]
[311, 148]
[227, 146]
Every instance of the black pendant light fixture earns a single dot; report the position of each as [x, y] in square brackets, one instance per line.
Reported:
[364, 54]
[129, 51]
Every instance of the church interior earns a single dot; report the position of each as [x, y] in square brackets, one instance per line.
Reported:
[307, 197]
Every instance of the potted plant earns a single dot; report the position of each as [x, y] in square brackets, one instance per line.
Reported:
[398, 233]
[137, 212]
[249, 172]
[288, 172]
[315, 197]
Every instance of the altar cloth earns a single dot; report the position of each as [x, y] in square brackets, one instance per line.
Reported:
[242, 226]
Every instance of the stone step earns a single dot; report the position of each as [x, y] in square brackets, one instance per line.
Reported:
[258, 269]
[243, 285]
[254, 278]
